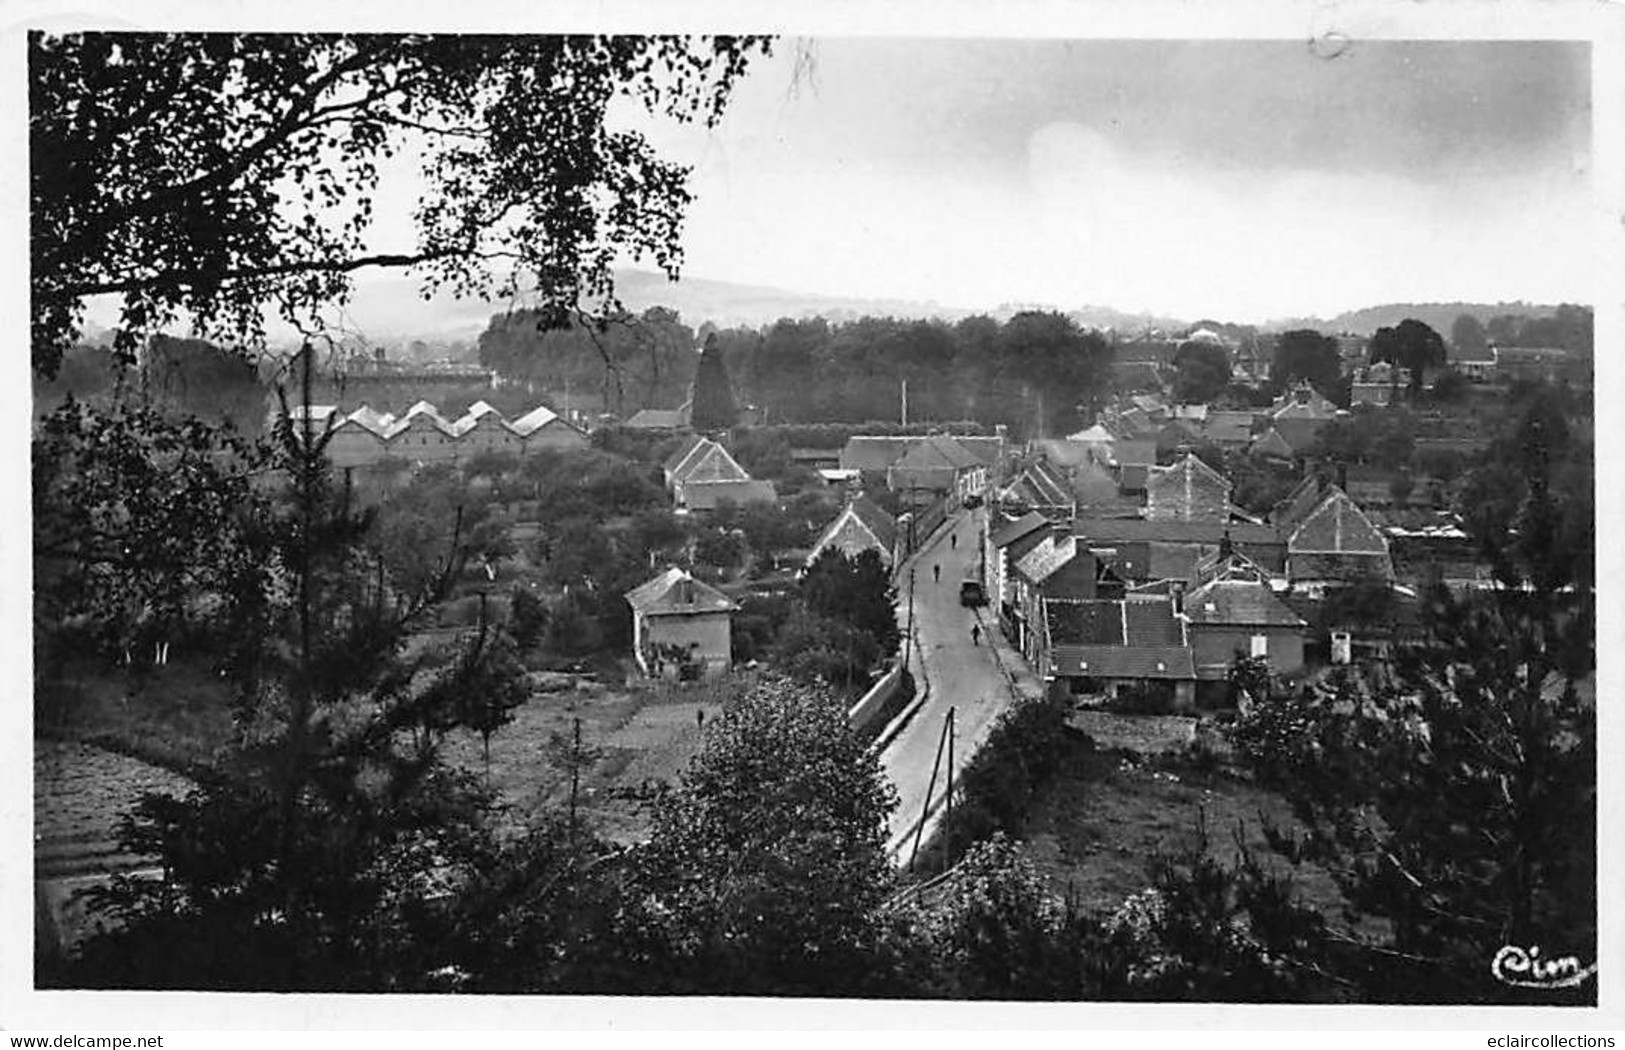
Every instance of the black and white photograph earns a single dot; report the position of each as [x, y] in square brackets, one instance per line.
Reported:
[880, 510]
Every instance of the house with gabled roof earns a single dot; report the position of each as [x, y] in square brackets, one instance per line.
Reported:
[1237, 612]
[1144, 551]
[1057, 567]
[1336, 543]
[708, 476]
[661, 418]
[1041, 486]
[1188, 490]
[941, 465]
[543, 428]
[1096, 645]
[1272, 445]
[1007, 543]
[693, 444]
[679, 622]
[1302, 401]
[861, 525]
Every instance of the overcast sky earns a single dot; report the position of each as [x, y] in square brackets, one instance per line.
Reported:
[1242, 180]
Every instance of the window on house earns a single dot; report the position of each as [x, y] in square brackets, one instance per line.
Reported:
[1261, 645]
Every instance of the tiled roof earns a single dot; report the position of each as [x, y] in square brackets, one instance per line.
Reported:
[1106, 531]
[709, 462]
[658, 419]
[872, 520]
[1011, 531]
[937, 452]
[1142, 623]
[883, 525]
[1086, 622]
[532, 421]
[873, 453]
[684, 450]
[1152, 623]
[1100, 661]
[1337, 526]
[1038, 485]
[706, 495]
[674, 592]
[1300, 432]
[987, 450]
[1188, 487]
[1271, 443]
[1138, 452]
[1040, 563]
[1229, 427]
[1239, 601]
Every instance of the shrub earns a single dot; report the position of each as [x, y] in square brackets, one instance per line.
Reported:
[1021, 756]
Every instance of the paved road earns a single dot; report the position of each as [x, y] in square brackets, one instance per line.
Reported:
[955, 674]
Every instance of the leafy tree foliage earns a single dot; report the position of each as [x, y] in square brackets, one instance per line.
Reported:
[1467, 335]
[632, 361]
[1409, 344]
[741, 906]
[1457, 800]
[144, 526]
[1203, 371]
[298, 862]
[856, 591]
[1304, 353]
[997, 932]
[714, 407]
[215, 174]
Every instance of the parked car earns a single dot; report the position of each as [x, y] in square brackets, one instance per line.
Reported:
[971, 594]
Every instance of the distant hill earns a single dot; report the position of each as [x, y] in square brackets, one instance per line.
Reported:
[729, 305]
[1438, 316]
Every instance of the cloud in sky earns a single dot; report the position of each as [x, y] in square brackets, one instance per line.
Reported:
[1238, 179]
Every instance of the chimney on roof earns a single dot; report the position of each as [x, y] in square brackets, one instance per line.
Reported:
[1226, 548]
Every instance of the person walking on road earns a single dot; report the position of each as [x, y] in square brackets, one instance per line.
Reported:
[976, 634]
[936, 573]
[953, 541]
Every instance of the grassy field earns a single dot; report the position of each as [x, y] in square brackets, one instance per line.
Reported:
[1111, 813]
[634, 736]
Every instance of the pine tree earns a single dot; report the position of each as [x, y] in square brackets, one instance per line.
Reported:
[714, 407]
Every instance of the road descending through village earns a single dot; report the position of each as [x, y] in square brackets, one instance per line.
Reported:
[952, 672]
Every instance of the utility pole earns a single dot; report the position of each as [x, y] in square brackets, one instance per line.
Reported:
[948, 820]
[905, 402]
[908, 642]
[575, 779]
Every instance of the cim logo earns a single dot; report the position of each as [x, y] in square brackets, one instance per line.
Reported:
[1524, 968]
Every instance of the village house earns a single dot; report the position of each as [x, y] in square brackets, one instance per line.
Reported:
[1230, 430]
[702, 475]
[1057, 567]
[1236, 612]
[861, 525]
[680, 623]
[1189, 490]
[1007, 543]
[1098, 646]
[422, 435]
[661, 418]
[1335, 543]
[1042, 486]
[1302, 401]
[1477, 364]
[939, 465]
[1143, 551]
